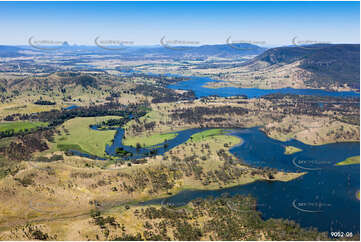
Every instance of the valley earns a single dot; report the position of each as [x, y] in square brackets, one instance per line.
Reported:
[130, 148]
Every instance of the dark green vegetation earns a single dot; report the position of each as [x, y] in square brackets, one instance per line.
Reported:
[162, 94]
[57, 117]
[123, 153]
[112, 123]
[329, 64]
[202, 114]
[44, 102]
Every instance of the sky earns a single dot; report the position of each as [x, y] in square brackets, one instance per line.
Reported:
[145, 23]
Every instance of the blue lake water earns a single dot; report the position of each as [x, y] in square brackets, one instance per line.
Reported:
[324, 198]
[196, 84]
[71, 107]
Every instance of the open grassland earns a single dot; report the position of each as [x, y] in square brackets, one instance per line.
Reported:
[76, 134]
[205, 134]
[350, 161]
[18, 126]
[289, 150]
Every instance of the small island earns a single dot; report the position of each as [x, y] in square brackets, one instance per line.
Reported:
[350, 161]
[291, 150]
[123, 153]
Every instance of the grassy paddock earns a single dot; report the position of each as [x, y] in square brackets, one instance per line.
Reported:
[18, 126]
[205, 134]
[80, 137]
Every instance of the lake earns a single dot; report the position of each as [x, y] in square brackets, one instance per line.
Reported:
[196, 84]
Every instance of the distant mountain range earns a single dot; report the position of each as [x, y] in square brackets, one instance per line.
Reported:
[10, 51]
[186, 52]
[204, 51]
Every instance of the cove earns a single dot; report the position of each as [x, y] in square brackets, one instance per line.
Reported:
[159, 149]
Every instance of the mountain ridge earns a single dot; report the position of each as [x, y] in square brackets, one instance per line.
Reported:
[338, 64]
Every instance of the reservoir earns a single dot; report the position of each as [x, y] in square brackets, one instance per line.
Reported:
[196, 84]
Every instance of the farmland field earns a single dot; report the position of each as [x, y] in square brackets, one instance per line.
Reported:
[76, 133]
[21, 126]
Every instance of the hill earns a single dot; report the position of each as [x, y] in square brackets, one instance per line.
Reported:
[337, 64]
[204, 51]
